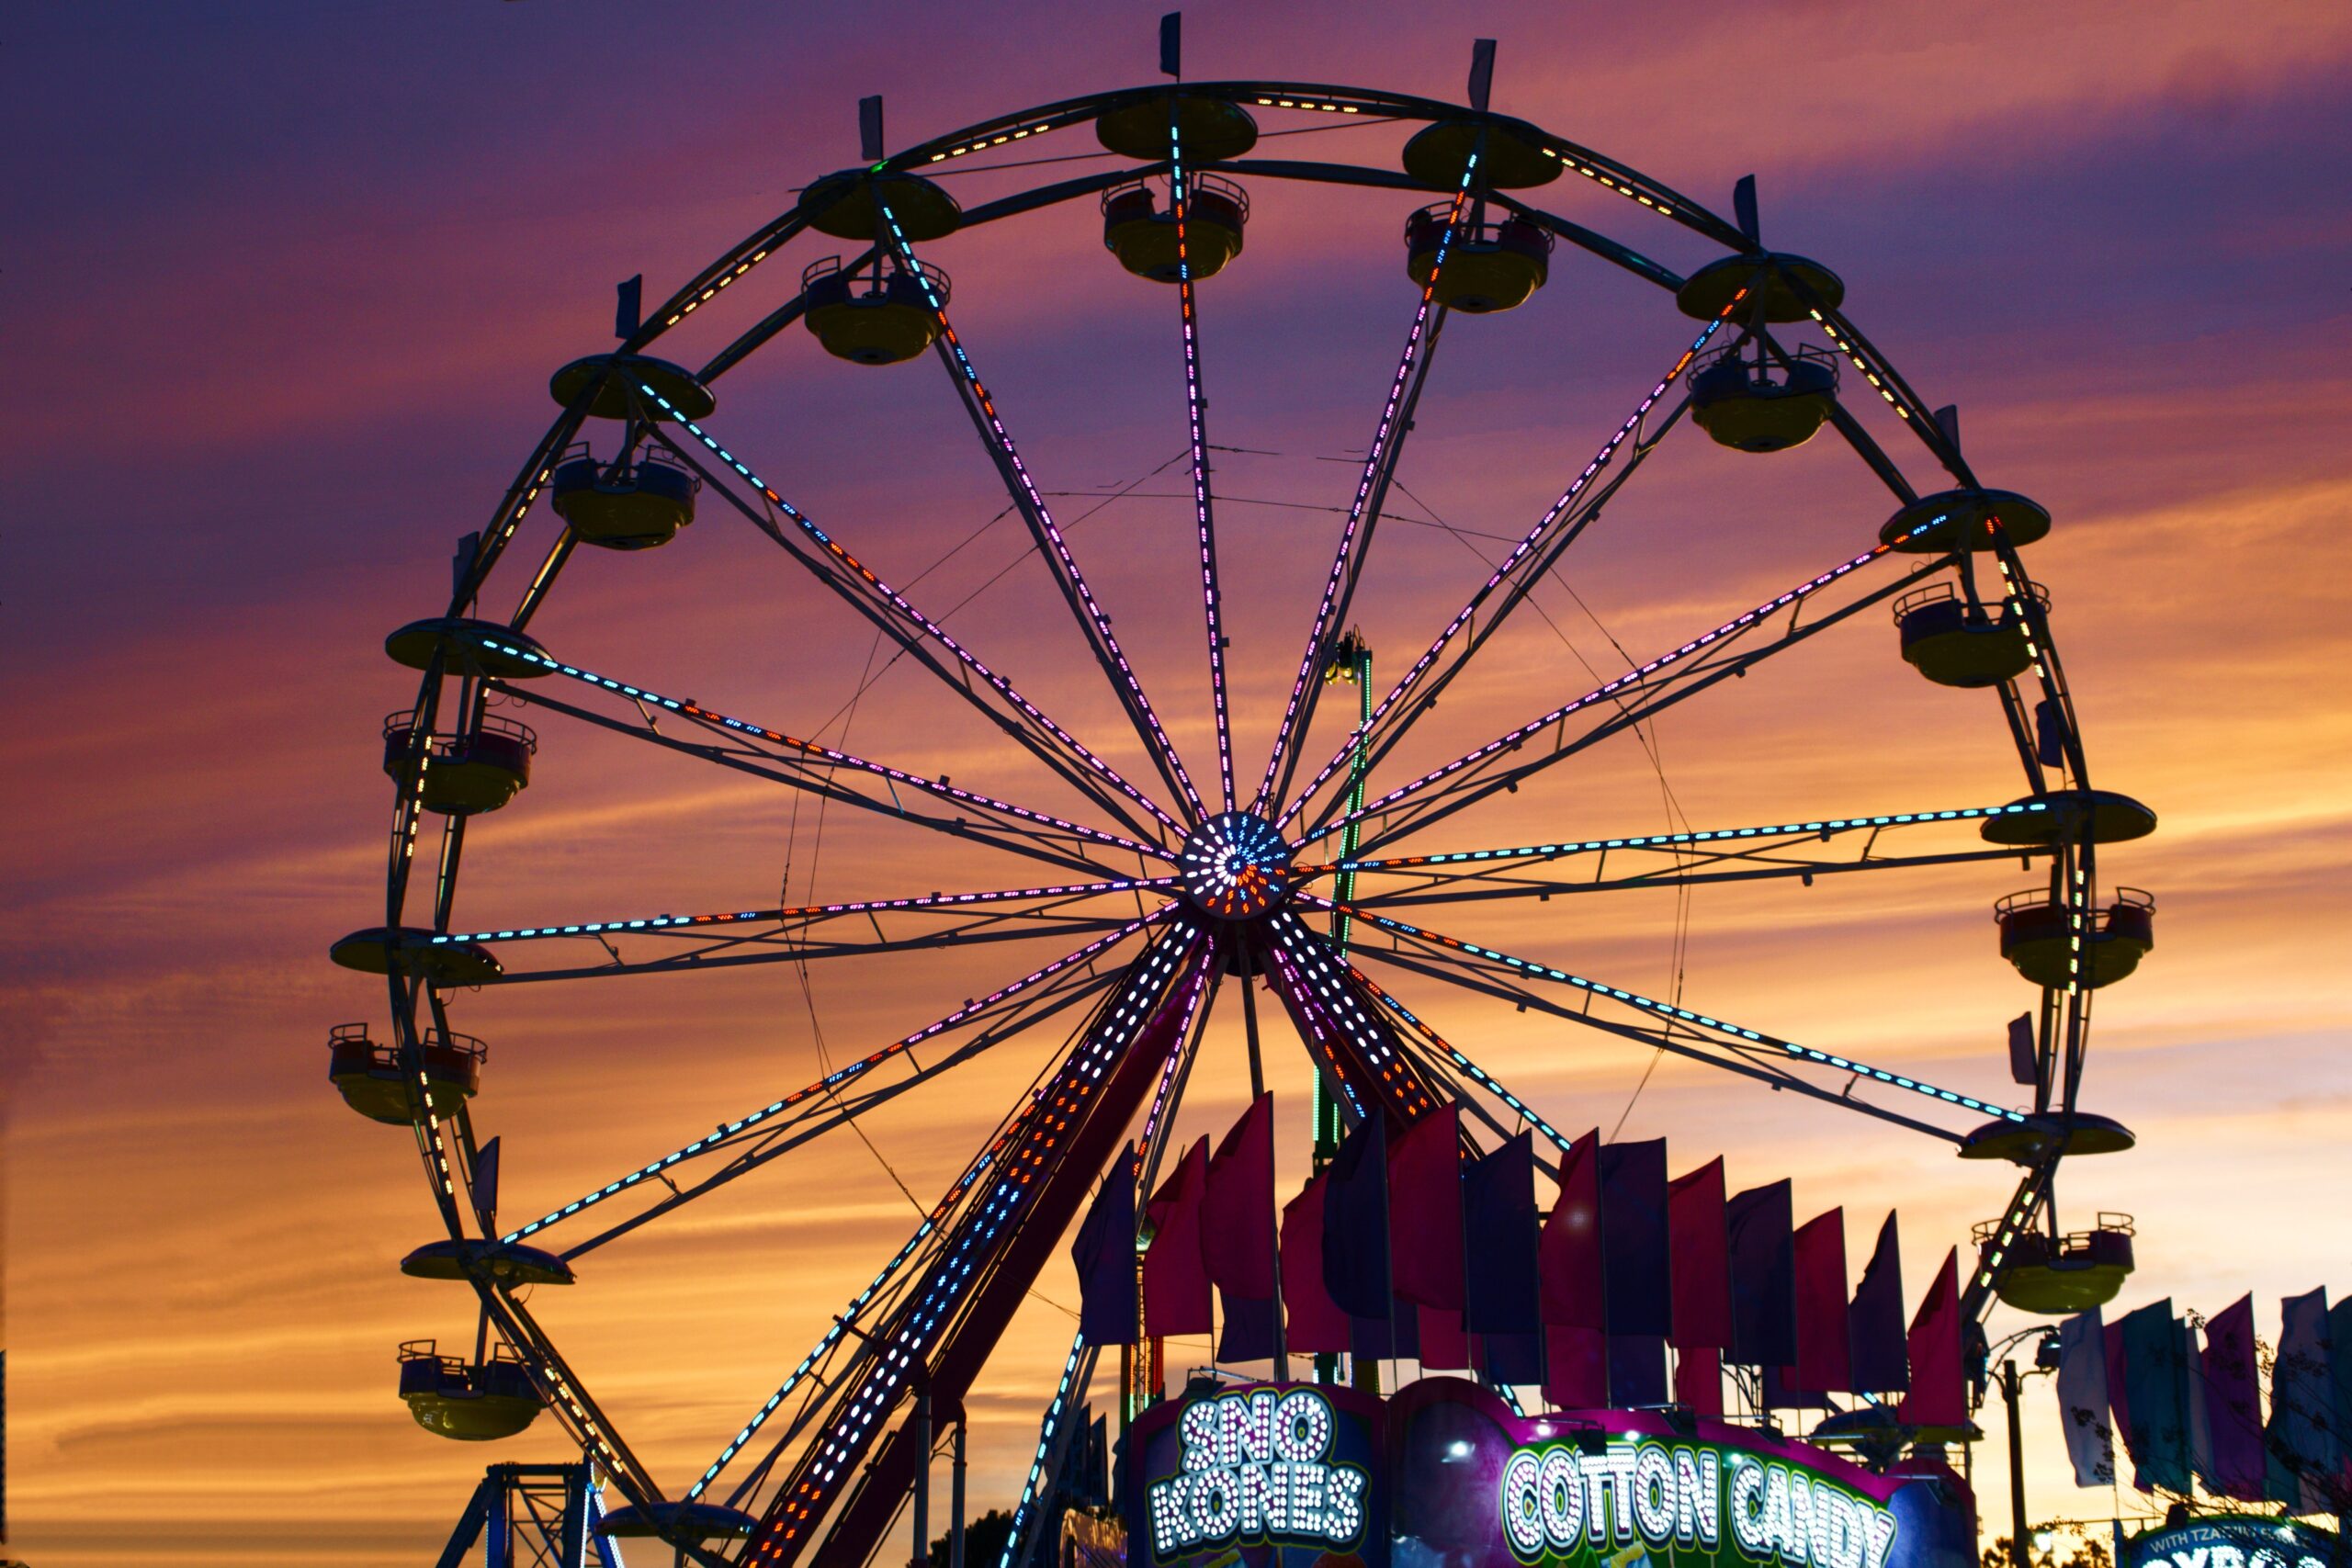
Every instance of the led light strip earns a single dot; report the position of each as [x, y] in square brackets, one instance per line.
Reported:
[842, 1323]
[1320, 105]
[1630, 678]
[1656, 840]
[705, 298]
[1479, 1074]
[1322, 973]
[1318, 1039]
[1027, 1494]
[727, 1130]
[1520, 552]
[1384, 435]
[812, 747]
[1180, 197]
[1044, 515]
[937, 632]
[1667, 1010]
[1075, 1085]
[808, 912]
[1183, 1028]
[1602, 177]
[982, 143]
[1868, 371]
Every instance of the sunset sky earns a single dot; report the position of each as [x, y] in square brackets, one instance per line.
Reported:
[286, 282]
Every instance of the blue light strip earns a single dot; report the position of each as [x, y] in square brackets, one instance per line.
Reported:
[842, 1324]
[1037, 507]
[1514, 738]
[1485, 1080]
[776, 737]
[1383, 437]
[931, 628]
[1702, 1020]
[833, 1081]
[806, 913]
[1028, 1493]
[1821, 829]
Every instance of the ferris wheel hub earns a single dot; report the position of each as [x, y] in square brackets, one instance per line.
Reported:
[1236, 867]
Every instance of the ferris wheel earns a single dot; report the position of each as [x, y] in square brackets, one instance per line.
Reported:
[1299, 864]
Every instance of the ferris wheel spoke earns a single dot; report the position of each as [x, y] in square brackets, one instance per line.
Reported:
[543, 581]
[1701, 1036]
[1631, 696]
[756, 1123]
[1342, 1031]
[815, 1118]
[1553, 533]
[813, 765]
[1204, 507]
[1666, 860]
[1023, 494]
[892, 614]
[1363, 510]
[566, 1396]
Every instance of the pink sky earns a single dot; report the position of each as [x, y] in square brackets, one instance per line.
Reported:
[290, 287]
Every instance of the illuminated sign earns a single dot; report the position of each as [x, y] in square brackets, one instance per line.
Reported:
[1255, 1466]
[1556, 1499]
[2234, 1540]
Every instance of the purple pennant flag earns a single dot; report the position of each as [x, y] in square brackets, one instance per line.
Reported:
[1636, 1369]
[1105, 1256]
[2339, 1362]
[1249, 1333]
[1824, 1353]
[1874, 1321]
[1355, 1223]
[1396, 1338]
[2024, 1060]
[1635, 1263]
[1763, 1277]
[2083, 1400]
[1500, 1227]
[2306, 1450]
[2233, 1402]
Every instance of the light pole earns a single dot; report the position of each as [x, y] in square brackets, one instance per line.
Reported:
[2045, 1360]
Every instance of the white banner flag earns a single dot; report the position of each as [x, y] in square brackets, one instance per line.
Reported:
[2082, 1398]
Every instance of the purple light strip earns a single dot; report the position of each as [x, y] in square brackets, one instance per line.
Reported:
[812, 747]
[833, 1081]
[1192, 1007]
[1525, 547]
[1601, 693]
[1044, 515]
[1310, 958]
[1180, 195]
[1383, 436]
[806, 914]
[930, 627]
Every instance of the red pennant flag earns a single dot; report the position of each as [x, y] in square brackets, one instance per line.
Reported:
[1444, 1348]
[1567, 1257]
[1694, 1205]
[1175, 1285]
[1237, 1212]
[1315, 1323]
[1938, 1395]
[1699, 1380]
[1825, 1350]
[1425, 1212]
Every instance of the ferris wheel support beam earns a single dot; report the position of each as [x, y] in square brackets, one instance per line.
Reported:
[1482, 965]
[1469, 778]
[952, 1319]
[817, 769]
[1534, 555]
[917, 633]
[1094, 622]
[1381, 456]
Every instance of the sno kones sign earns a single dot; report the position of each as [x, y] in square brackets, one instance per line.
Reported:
[2235, 1540]
[1445, 1475]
